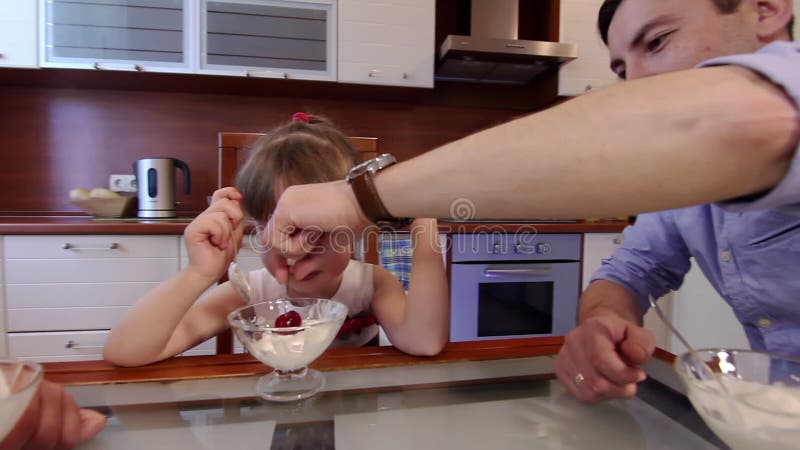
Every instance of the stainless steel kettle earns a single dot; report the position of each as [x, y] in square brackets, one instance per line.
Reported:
[155, 178]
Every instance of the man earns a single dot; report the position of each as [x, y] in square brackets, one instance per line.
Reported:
[750, 257]
[53, 420]
[727, 132]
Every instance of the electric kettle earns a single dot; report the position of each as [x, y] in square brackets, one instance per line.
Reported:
[155, 178]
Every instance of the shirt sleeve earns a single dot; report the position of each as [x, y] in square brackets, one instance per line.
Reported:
[778, 62]
[652, 260]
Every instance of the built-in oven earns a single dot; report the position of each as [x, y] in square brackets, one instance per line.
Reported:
[507, 285]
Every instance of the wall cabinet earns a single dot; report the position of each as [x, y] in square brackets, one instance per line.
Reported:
[388, 42]
[151, 35]
[18, 33]
[578, 25]
[273, 39]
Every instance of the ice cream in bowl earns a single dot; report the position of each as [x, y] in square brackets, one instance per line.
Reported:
[754, 402]
[18, 383]
[288, 334]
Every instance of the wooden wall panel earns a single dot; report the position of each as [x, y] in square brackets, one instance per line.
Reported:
[61, 129]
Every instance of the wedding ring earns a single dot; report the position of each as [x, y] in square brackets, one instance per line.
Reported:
[579, 378]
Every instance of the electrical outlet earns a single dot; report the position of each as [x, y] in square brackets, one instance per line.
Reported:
[122, 183]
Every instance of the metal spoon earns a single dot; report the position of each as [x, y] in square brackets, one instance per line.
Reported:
[237, 276]
[685, 343]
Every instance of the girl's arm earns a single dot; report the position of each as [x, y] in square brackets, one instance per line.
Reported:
[417, 323]
[169, 318]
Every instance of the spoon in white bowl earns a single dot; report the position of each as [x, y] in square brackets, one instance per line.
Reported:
[685, 343]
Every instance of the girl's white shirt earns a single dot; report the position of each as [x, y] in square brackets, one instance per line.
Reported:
[355, 292]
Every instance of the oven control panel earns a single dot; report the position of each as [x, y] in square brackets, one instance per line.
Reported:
[522, 246]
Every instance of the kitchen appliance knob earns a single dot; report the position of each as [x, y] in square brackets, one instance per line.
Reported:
[496, 249]
[544, 248]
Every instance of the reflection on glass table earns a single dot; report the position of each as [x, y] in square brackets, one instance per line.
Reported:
[507, 403]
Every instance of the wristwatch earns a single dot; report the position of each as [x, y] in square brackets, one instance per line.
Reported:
[361, 181]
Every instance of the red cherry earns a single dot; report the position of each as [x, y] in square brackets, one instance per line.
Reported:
[289, 319]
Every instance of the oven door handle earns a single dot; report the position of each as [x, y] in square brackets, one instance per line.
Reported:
[517, 272]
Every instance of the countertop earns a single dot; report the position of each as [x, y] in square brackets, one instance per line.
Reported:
[87, 225]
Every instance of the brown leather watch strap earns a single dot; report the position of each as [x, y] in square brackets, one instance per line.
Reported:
[368, 199]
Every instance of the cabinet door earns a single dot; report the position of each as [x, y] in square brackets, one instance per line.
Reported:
[596, 247]
[140, 35]
[80, 282]
[591, 69]
[269, 38]
[18, 33]
[388, 42]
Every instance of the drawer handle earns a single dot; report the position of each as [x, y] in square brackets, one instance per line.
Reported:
[517, 272]
[266, 74]
[75, 346]
[111, 246]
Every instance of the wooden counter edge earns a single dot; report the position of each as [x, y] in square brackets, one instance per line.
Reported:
[218, 366]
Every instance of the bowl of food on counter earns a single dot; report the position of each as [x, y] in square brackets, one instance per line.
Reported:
[750, 399]
[288, 334]
[101, 202]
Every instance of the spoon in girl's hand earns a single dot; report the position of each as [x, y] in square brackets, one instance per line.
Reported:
[237, 276]
[289, 263]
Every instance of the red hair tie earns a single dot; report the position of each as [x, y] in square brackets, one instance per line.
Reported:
[301, 116]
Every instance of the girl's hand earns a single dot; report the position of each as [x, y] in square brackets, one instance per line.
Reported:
[213, 237]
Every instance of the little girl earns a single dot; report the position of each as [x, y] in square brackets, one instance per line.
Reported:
[179, 313]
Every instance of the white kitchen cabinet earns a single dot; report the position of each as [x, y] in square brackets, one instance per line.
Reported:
[18, 33]
[598, 246]
[387, 42]
[135, 35]
[62, 293]
[269, 38]
[578, 25]
[3, 313]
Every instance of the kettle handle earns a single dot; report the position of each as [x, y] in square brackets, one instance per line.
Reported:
[187, 178]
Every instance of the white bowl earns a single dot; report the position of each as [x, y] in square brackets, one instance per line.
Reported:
[759, 407]
[288, 350]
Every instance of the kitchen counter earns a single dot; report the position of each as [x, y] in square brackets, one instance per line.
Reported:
[87, 225]
[471, 396]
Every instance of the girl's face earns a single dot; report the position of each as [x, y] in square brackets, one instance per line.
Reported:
[319, 273]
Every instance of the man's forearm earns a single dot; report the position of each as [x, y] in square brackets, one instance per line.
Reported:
[658, 143]
[607, 297]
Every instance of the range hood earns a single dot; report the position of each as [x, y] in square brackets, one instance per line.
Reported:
[493, 54]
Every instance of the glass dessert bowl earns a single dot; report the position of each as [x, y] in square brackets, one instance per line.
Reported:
[18, 383]
[754, 402]
[288, 334]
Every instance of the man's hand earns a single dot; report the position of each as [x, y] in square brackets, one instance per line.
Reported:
[53, 421]
[599, 358]
[302, 215]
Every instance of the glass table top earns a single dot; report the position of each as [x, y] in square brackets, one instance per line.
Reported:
[495, 404]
